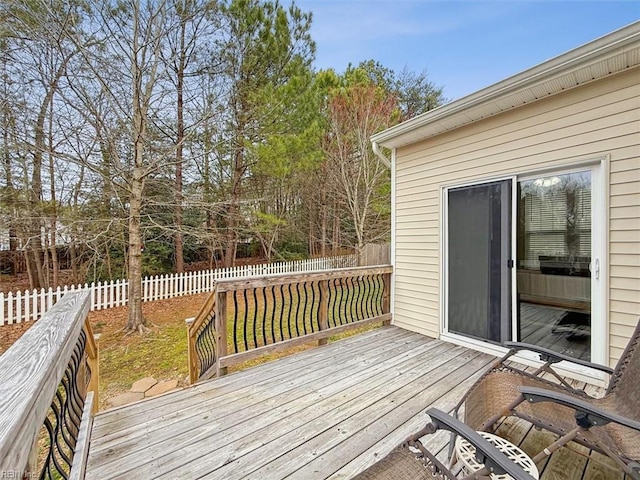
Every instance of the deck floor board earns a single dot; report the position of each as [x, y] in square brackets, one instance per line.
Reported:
[329, 412]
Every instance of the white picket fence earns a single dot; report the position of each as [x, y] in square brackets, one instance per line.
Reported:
[17, 307]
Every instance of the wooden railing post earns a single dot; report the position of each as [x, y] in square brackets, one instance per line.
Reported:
[191, 352]
[323, 313]
[221, 331]
[93, 361]
[94, 382]
[386, 296]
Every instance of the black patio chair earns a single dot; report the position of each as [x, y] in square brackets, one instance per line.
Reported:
[412, 460]
[609, 425]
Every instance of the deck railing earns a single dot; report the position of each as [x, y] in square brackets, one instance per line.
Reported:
[48, 393]
[246, 318]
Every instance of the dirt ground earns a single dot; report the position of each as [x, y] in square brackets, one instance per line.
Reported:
[111, 322]
[10, 333]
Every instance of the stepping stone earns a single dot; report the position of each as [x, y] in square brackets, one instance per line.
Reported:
[161, 387]
[143, 384]
[125, 398]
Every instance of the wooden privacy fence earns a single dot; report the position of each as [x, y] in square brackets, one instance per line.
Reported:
[375, 254]
[49, 392]
[17, 307]
[246, 318]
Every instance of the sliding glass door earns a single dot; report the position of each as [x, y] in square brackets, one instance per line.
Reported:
[479, 252]
[553, 262]
[542, 226]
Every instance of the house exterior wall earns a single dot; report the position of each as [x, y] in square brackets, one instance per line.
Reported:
[599, 119]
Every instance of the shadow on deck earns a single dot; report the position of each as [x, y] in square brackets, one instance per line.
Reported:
[323, 413]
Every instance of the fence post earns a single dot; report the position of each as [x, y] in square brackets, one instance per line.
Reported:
[221, 331]
[323, 313]
[26, 306]
[10, 307]
[18, 306]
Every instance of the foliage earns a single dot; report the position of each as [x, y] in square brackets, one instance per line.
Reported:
[188, 127]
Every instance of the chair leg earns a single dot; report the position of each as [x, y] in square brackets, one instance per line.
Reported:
[452, 451]
[562, 441]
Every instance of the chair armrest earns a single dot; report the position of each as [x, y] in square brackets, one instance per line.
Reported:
[492, 458]
[550, 356]
[587, 415]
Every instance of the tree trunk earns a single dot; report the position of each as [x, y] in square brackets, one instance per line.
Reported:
[73, 251]
[28, 260]
[135, 321]
[231, 237]
[323, 228]
[73, 257]
[13, 234]
[336, 230]
[55, 268]
[180, 134]
[140, 102]
[35, 192]
[45, 259]
[35, 248]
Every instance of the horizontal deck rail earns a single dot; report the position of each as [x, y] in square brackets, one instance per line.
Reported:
[246, 318]
[48, 392]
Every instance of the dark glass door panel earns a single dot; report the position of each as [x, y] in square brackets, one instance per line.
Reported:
[479, 226]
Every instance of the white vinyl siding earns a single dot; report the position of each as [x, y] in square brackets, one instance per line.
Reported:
[596, 120]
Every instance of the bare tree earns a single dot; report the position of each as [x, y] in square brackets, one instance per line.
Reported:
[128, 35]
[355, 113]
[186, 51]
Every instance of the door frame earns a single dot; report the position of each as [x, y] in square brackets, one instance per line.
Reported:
[444, 248]
[599, 167]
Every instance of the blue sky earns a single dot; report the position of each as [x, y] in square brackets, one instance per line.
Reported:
[463, 45]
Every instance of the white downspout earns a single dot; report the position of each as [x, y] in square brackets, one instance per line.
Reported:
[387, 163]
[376, 149]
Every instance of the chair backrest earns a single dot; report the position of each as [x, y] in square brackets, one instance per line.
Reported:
[625, 381]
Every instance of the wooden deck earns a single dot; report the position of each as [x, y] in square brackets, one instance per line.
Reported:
[324, 413]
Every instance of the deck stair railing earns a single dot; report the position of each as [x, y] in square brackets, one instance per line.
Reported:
[246, 318]
[48, 394]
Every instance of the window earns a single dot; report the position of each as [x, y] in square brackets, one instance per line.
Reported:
[555, 223]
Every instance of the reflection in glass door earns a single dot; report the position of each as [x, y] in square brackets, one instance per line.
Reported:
[553, 263]
[479, 249]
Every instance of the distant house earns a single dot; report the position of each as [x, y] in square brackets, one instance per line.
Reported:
[516, 209]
